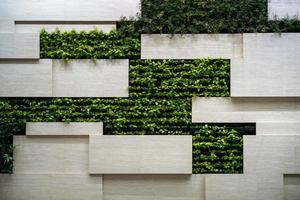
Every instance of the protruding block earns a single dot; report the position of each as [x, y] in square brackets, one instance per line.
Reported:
[49, 187]
[191, 46]
[51, 155]
[162, 154]
[278, 9]
[64, 128]
[158, 187]
[278, 128]
[88, 78]
[247, 110]
[19, 46]
[270, 66]
[25, 78]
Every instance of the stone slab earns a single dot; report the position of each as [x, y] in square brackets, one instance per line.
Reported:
[191, 46]
[64, 128]
[88, 78]
[278, 128]
[51, 155]
[270, 66]
[291, 186]
[20, 78]
[19, 46]
[169, 154]
[49, 187]
[246, 110]
[158, 187]
[278, 9]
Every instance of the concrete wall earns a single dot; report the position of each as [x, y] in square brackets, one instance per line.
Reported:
[278, 9]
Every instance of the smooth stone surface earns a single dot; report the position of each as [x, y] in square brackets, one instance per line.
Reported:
[64, 128]
[226, 109]
[191, 46]
[158, 187]
[19, 46]
[87, 78]
[270, 66]
[291, 186]
[278, 9]
[50, 187]
[7, 26]
[278, 128]
[161, 154]
[22, 78]
[51, 155]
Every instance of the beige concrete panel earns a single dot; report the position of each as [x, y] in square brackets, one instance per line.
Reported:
[64, 128]
[278, 9]
[158, 187]
[20, 78]
[69, 10]
[51, 155]
[278, 128]
[36, 28]
[225, 109]
[88, 78]
[191, 46]
[155, 154]
[50, 187]
[270, 67]
[19, 46]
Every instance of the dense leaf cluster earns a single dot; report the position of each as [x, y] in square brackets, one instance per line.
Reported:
[207, 16]
[159, 103]
[91, 44]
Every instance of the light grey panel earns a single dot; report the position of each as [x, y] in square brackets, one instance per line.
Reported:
[149, 187]
[225, 109]
[36, 28]
[25, 78]
[161, 154]
[270, 66]
[191, 46]
[278, 9]
[7, 26]
[64, 128]
[88, 78]
[278, 128]
[69, 10]
[51, 155]
[50, 187]
[19, 46]
[292, 186]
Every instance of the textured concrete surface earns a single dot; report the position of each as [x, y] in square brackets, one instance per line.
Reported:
[36, 28]
[226, 109]
[68, 10]
[7, 26]
[158, 187]
[291, 186]
[64, 128]
[87, 78]
[20, 78]
[278, 128]
[51, 155]
[19, 46]
[278, 9]
[191, 46]
[270, 66]
[50, 187]
[162, 154]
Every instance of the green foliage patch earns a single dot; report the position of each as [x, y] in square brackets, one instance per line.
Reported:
[159, 103]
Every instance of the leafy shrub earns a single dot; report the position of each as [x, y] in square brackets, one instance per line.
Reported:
[207, 16]
[92, 44]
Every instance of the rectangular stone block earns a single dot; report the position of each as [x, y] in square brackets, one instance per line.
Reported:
[278, 128]
[20, 78]
[270, 66]
[191, 46]
[64, 128]
[291, 186]
[169, 154]
[158, 187]
[29, 27]
[19, 46]
[247, 110]
[49, 187]
[88, 78]
[51, 155]
[279, 9]
[69, 10]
